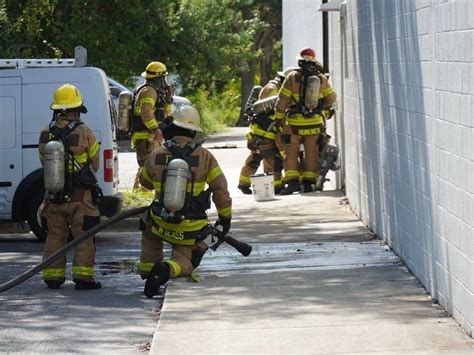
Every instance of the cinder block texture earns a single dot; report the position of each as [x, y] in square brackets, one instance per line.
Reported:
[409, 139]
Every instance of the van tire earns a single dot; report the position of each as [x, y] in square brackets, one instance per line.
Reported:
[33, 216]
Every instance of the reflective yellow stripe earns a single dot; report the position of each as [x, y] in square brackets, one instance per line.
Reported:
[285, 92]
[187, 225]
[277, 182]
[245, 179]
[175, 266]
[257, 130]
[145, 267]
[309, 131]
[167, 106]
[272, 92]
[296, 97]
[54, 272]
[225, 212]
[151, 124]
[94, 149]
[145, 175]
[326, 92]
[141, 135]
[197, 189]
[279, 115]
[213, 173]
[147, 100]
[172, 240]
[81, 158]
[300, 120]
[83, 270]
[292, 173]
[157, 186]
[309, 174]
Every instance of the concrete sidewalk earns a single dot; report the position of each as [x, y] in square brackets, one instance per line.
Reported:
[317, 281]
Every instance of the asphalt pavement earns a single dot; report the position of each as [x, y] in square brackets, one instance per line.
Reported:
[317, 281]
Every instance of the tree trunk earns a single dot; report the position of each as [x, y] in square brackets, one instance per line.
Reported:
[247, 77]
[266, 64]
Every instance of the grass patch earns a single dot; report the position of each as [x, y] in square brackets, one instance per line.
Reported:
[137, 198]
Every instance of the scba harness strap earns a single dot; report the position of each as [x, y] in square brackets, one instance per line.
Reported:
[195, 206]
[62, 134]
[300, 107]
[84, 177]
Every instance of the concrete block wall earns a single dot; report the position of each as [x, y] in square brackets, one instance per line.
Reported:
[408, 98]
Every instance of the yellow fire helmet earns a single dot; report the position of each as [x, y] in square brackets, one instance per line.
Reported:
[67, 97]
[154, 69]
[187, 117]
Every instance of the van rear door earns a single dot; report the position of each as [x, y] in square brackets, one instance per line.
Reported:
[11, 167]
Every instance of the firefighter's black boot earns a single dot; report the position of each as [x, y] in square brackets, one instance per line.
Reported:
[245, 189]
[159, 275]
[82, 285]
[54, 284]
[307, 186]
[292, 186]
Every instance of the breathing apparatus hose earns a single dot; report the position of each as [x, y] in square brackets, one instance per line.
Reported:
[60, 253]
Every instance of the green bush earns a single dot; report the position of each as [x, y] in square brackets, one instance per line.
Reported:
[218, 110]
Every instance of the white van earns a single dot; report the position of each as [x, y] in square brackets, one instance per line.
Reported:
[27, 87]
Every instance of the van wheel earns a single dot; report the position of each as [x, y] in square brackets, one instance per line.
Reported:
[34, 216]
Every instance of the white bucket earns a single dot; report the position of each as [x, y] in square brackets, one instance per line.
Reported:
[263, 188]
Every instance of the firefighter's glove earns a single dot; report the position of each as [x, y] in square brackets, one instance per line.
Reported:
[328, 113]
[225, 223]
[156, 136]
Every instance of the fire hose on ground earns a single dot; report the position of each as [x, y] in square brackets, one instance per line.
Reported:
[241, 247]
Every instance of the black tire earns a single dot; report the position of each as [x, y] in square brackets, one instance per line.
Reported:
[33, 215]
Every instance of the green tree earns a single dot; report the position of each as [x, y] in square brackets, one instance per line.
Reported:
[215, 46]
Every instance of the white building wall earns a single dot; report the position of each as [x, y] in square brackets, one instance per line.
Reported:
[302, 27]
[408, 83]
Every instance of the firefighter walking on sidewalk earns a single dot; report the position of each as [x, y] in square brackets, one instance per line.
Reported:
[179, 171]
[69, 153]
[304, 103]
[152, 104]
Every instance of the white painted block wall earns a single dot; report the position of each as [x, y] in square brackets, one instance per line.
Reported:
[302, 24]
[409, 135]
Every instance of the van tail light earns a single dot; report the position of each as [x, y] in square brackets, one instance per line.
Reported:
[108, 165]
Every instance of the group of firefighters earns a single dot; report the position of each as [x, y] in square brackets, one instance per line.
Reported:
[290, 113]
[175, 165]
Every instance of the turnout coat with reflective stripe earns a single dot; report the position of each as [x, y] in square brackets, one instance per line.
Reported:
[146, 105]
[82, 143]
[206, 172]
[289, 96]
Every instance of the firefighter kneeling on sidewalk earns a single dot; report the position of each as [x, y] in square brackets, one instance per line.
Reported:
[69, 153]
[179, 171]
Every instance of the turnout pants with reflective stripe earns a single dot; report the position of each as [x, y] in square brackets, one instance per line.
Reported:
[309, 169]
[181, 255]
[272, 163]
[143, 148]
[60, 217]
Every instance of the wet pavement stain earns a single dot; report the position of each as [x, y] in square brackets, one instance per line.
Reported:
[126, 266]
